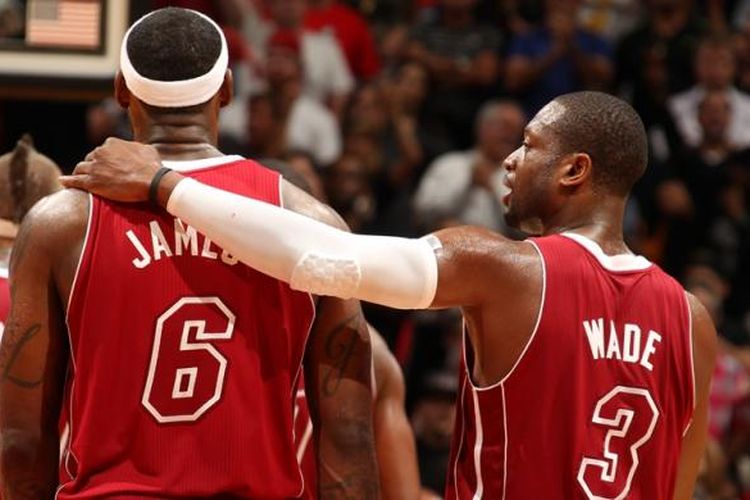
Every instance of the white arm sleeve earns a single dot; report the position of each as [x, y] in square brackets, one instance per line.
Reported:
[310, 255]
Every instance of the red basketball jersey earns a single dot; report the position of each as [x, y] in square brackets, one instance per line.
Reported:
[4, 299]
[184, 361]
[598, 403]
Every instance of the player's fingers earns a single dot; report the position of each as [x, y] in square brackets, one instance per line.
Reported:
[90, 156]
[83, 168]
[76, 181]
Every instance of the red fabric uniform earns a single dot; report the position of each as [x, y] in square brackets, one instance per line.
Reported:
[598, 403]
[353, 34]
[184, 361]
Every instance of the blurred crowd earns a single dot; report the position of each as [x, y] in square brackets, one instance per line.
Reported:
[399, 114]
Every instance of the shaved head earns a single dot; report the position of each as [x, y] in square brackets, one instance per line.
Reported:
[607, 129]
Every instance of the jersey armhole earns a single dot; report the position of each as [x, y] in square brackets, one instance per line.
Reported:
[81, 257]
[691, 341]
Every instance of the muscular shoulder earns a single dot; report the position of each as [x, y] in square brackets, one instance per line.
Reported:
[474, 262]
[297, 200]
[63, 211]
[57, 218]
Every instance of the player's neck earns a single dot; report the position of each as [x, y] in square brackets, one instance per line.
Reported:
[602, 224]
[180, 142]
[178, 134]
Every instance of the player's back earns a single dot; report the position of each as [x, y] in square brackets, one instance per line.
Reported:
[598, 403]
[184, 361]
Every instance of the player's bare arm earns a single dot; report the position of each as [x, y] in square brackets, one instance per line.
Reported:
[485, 273]
[34, 352]
[397, 272]
[338, 386]
[394, 439]
[705, 345]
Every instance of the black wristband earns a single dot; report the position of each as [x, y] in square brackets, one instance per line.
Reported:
[153, 188]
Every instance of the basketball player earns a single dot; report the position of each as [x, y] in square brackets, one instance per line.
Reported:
[586, 367]
[175, 365]
[26, 176]
[394, 440]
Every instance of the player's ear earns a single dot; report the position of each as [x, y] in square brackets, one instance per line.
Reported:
[122, 93]
[226, 92]
[576, 170]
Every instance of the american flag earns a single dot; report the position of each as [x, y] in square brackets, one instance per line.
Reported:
[64, 23]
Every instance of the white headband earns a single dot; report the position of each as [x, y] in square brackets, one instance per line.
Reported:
[180, 93]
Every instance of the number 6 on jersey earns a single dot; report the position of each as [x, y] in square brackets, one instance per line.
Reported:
[186, 372]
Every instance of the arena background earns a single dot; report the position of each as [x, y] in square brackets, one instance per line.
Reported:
[399, 113]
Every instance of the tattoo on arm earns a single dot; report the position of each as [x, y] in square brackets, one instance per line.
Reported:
[339, 347]
[16, 340]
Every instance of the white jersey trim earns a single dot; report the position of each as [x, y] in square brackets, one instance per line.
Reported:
[307, 339]
[692, 362]
[80, 260]
[190, 165]
[505, 444]
[4, 272]
[461, 440]
[68, 452]
[618, 263]
[478, 447]
[304, 442]
[528, 342]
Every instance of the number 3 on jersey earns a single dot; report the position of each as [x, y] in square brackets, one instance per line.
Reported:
[629, 414]
[186, 372]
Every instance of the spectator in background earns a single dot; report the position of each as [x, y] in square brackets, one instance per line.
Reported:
[384, 129]
[12, 19]
[351, 31]
[393, 47]
[715, 70]
[741, 41]
[730, 384]
[609, 19]
[670, 34]
[729, 236]
[26, 176]
[557, 58]
[348, 191]
[306, 124]
[461, 56]
[106, 119]
[467, 187]
[405, 95]
[690, 199]
[433, 419]
[327, 75]
[224, 12]
[703, 167]
[304, 168]
[265, 133]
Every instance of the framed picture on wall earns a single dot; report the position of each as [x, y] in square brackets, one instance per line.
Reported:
[63, 41]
